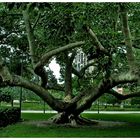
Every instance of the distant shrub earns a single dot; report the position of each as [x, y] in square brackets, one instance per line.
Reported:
[135, 101]
[5, 98]
[9, 116]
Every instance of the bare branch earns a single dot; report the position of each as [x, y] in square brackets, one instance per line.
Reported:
[40, 71]
[81, 73]
[123, 96]
[45, 58]
[39, 68]
[137, 47]
[84, 100]
[72, 56]
[30, 70]
[43, 74]
[87, 66]
[77, 73]
[30, 35]
[123, 79]
[14, 80]
[116, 22]
[36, 21]
[4, 72]
[127, 35]
[68, 74]
[41, 92]
[95, 39]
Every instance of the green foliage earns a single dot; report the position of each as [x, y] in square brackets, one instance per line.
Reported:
[110, 99]
[15, 93]
[135, 101]
[9, 116]
[5, 97]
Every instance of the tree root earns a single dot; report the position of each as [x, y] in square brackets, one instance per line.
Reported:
[63, 118]
[59, 118]
[84, 121]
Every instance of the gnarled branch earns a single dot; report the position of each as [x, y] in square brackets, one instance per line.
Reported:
[84, 100]
[77, 73]
[5, 75]
[123, 79]
[98, 45]
[81, 73]
[123, 96]
[45, 58]
[15, 80]
[39, 68]
[36, 21]
[72, 56]
[127, 35]
[30, 35]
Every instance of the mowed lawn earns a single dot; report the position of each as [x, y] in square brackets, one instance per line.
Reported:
[32, 130]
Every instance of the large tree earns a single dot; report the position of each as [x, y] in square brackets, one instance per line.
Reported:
[31, 34]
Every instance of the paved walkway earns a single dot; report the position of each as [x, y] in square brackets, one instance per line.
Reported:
[102, 112]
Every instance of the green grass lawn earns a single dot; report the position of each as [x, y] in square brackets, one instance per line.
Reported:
[40, 106]
[30, 130]
[28, 105]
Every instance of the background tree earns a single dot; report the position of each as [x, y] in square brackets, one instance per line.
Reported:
[112, 100]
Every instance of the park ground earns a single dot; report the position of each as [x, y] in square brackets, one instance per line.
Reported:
[129, 126]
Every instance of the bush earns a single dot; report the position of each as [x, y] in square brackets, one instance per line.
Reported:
[5, 98]
[135, 101]
[9, 116]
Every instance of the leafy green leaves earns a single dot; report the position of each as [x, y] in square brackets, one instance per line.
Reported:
[5, 97]
[34, 5]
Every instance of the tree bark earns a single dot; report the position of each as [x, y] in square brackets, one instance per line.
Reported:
[81, 73]
[74, 121]
[45, 58]
[7, 79]
[84, 100]
[68, 78]
[124, 96]
[128, 38]
[98, 45]
[30, 35]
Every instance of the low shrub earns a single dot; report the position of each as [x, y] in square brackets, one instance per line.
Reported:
[5, 98]
[9, 116]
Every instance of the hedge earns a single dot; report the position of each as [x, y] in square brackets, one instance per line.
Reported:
[9, 116]
[5, 98]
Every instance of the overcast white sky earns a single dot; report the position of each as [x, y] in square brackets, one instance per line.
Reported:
[55, 68]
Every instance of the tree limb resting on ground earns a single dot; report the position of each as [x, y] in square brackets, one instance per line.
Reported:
[15, 80]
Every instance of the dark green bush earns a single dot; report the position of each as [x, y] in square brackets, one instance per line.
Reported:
[9, 116]
[5, 98]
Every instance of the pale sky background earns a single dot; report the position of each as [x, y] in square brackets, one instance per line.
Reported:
[55, 68]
